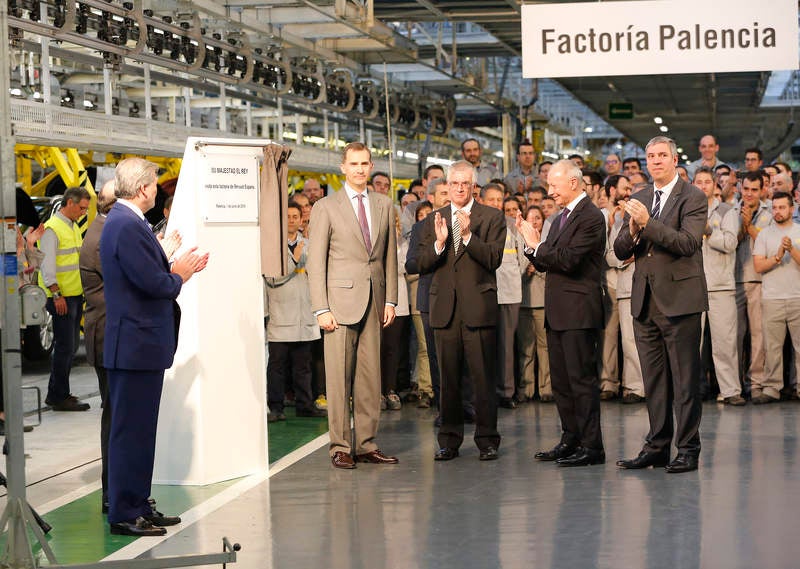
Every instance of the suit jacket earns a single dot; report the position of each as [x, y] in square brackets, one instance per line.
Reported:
[92, 280]
[140, 295]
[669, 252]
[573, 258]
[469, 275]
[412, 268]
[341, 273]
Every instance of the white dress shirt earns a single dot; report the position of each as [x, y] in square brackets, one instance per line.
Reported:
[466, 209]
[352, 195]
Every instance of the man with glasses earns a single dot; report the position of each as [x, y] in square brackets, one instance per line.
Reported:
[60, 278]
[462, 246]
[613, 165]
[753, 159]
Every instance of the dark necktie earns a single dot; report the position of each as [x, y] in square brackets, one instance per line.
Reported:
[362, 221]
[563, 221]
[656, 211]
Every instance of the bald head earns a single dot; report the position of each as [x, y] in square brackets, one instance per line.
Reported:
[106, 197]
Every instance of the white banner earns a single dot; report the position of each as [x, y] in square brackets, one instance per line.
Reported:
[658, 37]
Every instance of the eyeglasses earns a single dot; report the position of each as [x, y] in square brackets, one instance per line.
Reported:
[460, 184]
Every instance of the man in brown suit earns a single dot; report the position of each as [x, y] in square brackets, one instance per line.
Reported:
[95, 316]
[352, 270]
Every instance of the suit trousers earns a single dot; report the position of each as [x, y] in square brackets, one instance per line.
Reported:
[458, 345]
[135, 397]
[423, 364]
[723, 325]
[669, 351]
[748, 305]
[779, 315]
[289, 364]
[353, 369]
[506, 330]
[433, 359]
[105, 426]
[66, 333]
[394, 350]
[609, 374]
[532, 349]
[632, 381]
[576, 389]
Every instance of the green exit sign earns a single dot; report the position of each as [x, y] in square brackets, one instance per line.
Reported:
[620, 111]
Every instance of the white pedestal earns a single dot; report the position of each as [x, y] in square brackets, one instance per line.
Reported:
[212, 423]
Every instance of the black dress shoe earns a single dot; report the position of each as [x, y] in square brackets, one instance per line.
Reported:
[488, 453]
[445, 453]
[139, 527]
[159, 519]
[682, 463]
[104, 506]
[644, 460]
[561, 450]
[583, 457]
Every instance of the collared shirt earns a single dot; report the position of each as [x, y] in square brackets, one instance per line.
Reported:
[49, 246]
[665, 193]
[466, 209]
[132, 206]
[571, 207]
[352, 195]
[517, 176]
[691, 169]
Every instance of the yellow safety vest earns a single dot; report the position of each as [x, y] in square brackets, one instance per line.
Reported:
[68, 274]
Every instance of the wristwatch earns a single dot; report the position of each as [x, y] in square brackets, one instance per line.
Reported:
[57, 294]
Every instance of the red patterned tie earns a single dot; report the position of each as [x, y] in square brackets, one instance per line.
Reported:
[362, 221]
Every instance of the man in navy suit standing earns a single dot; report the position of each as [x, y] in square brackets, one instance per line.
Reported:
[140, 339]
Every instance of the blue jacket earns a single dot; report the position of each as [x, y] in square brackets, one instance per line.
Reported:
[140, 292]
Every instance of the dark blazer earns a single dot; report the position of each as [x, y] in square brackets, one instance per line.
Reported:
[669, 252]
[412, 268]
[140, 295]
[573, 259]
[94, 316]
[469, 275]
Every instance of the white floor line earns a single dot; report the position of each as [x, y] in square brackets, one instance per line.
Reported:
[68, 497]
[203, 509]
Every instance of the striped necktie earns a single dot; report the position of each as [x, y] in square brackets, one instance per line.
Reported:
[456, 232]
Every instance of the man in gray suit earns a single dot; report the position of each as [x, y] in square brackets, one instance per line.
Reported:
[352, 270]
[665, 233]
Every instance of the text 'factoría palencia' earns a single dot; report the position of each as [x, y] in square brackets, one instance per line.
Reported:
[668, 37]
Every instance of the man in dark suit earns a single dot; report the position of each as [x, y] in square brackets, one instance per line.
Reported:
[141, 335]
[666, 225]
[462, 245]
[572, 256]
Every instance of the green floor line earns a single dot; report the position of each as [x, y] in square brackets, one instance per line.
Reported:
[80, 532]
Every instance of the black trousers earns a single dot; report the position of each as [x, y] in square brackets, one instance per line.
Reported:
[105, 425]
[394, 354]
[289, 363]
[576, 388]
[458, 345]
[669, 351]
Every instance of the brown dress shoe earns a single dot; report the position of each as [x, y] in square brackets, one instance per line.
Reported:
[377, 457]
[341, 459]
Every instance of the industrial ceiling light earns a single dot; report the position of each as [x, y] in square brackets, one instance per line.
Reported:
[663, 128]
[658, 120]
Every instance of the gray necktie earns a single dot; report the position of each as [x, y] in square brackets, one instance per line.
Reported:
[456, 231]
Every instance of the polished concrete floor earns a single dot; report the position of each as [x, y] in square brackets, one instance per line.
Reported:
[740, 510]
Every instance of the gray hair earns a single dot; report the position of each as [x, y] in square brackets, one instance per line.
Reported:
[75, 195]
[463, 165]
[433, 184]
[569, 169]
[131, 174]
[673, 148]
